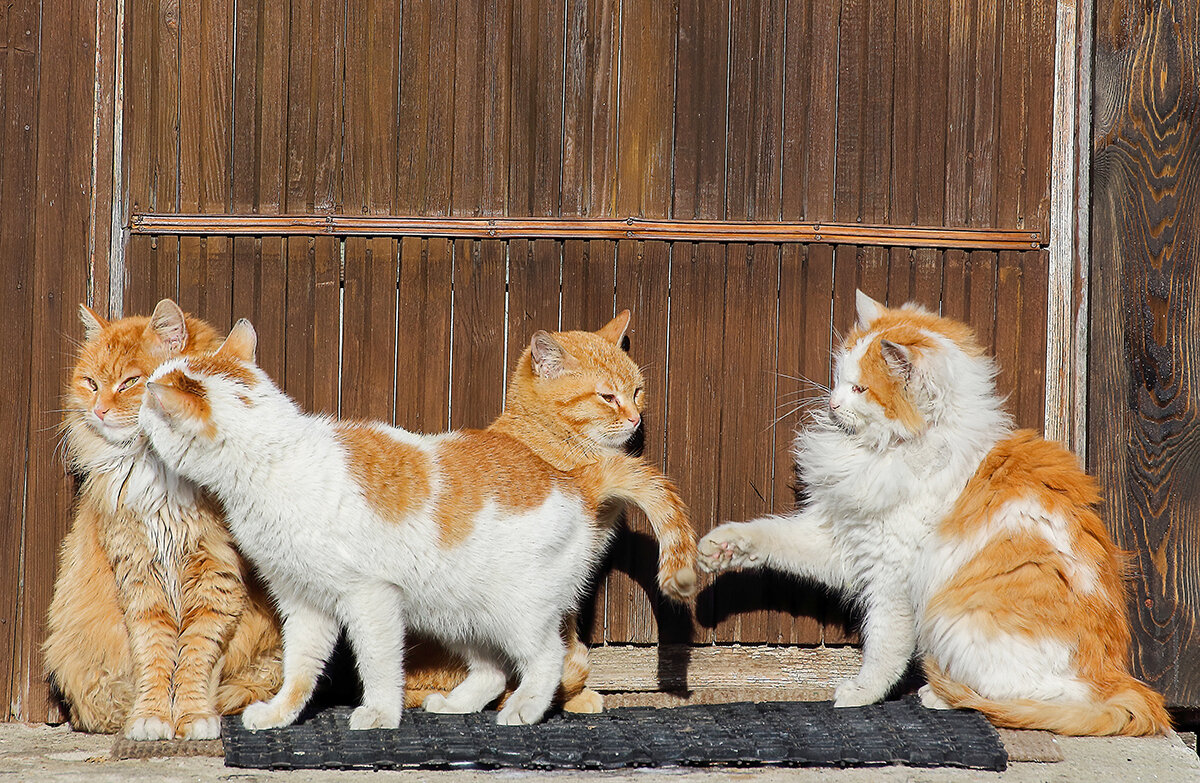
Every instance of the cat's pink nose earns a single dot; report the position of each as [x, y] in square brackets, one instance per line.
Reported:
[100, 412]
[635, 419]
[833, 406]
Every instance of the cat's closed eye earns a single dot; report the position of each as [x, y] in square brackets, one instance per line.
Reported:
[91, 384]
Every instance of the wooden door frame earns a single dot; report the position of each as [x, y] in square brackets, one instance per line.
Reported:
[1070, 189]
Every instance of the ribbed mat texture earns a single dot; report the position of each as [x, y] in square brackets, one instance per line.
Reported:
[741, 734]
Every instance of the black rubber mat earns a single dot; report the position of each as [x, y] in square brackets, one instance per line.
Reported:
[743, 734]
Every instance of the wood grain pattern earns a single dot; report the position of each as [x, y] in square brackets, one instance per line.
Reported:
[860, 111]
[1144, 401]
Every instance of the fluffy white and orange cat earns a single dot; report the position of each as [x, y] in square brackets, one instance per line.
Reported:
[154, 627]
[470, 538]
[970, 544]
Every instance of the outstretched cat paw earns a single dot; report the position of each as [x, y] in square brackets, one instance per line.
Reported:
[437, 702]
[728, 547]
[198, 727]
[148, 728]
[369, 717]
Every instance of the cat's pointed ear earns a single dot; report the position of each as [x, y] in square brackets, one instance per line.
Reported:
[167, 322]
[868, 309]
[549, 358]
[241, 342]
[614, 330]
[93, 322]
[898, 359]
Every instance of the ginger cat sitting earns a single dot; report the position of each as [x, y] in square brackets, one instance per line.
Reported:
[152, 628]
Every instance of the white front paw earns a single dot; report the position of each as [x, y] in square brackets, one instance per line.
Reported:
[265, 715]
[149, 728]
[204, 727]
[852, 693]
[370, 717]
[727, 547]
[521, 712]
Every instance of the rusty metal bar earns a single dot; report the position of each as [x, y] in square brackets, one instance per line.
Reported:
[583, 228]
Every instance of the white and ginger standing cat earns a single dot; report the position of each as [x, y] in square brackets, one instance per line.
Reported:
[152, 628]
[968, 543]
[575, 398]
[467, 537]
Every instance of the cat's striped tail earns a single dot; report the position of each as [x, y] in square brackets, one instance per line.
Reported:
[621, 480]
[1134, 710]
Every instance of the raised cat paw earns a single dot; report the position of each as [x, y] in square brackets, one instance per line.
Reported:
[851, 693]
[265, 715]
[727, 547]
[198, 727]
[369, 717]
[149, 728]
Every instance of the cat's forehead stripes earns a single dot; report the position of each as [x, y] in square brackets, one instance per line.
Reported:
[900, 325]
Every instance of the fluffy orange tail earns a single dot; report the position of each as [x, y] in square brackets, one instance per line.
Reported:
[617, 481]
[1135, 710]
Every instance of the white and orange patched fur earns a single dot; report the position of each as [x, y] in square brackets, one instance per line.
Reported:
[469, 538]
[970, 544]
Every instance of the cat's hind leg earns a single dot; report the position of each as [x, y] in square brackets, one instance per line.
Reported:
[485, 682]
[541, 670]
[800, 544]
[375, 627]
[308, 638]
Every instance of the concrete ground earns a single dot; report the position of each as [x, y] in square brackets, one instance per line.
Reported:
[45, 753]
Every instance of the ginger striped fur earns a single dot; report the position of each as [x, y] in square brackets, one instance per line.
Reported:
[965, 542]
[155, 626]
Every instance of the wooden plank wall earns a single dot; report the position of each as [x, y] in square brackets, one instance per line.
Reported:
[866, 111]
[738, 110]
[56, 103]
[1144, 398]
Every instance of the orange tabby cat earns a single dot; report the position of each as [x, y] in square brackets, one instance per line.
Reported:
[574, 399]
[152, 628]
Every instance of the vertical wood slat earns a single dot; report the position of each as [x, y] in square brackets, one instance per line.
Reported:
[18, 200]
[1143, 400]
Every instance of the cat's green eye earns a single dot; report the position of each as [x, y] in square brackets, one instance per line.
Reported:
[129, 382]
[91, 384]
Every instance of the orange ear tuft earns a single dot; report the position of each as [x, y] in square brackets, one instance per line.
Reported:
[93, 322]
[168, 324]
[614, 330]
[241, 342]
